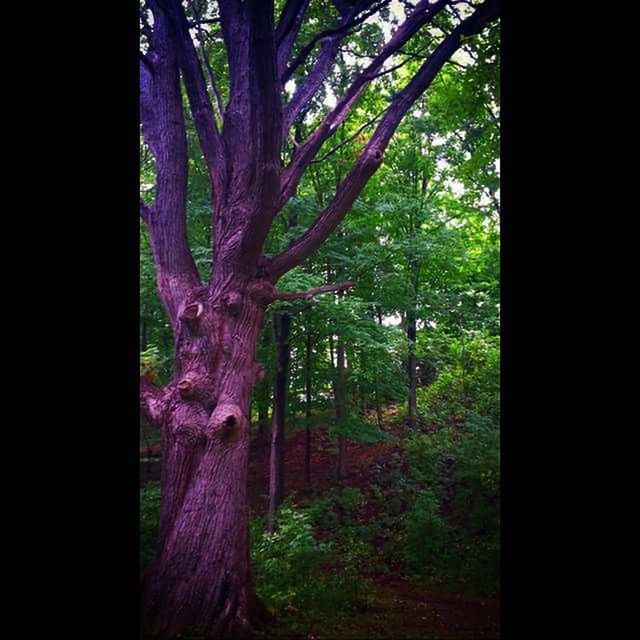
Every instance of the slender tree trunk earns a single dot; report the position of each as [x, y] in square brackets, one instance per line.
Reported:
[411, 326]
[282, 325]
[307, 444]
[263, 423]
[378, 409]
[377, 392]
[263, 396]
[332, 359]
[411, 368]
[341, 409]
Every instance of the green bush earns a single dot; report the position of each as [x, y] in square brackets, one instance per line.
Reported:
[427, 534]
[470, 383]
[460, 470]
[429, 456]
[350, 498]
[357, 429]
[289, 564]
[149, 521]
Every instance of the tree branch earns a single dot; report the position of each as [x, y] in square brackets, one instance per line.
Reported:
[214, 87]
[307, 295]
[349, 139]
[201, 107]
[164, 132]
[372, 155]
[324, 63]
[287, 31]
[347, 22]
[251, 135]
[423, 13]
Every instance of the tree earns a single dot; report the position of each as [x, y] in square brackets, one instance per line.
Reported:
[200, 578]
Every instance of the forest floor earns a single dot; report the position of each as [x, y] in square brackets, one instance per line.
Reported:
[397, 606]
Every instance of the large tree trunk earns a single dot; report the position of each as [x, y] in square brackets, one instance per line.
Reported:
[200, 579]
[282, 327]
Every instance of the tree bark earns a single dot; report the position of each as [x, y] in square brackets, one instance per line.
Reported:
[282, 327]
[200, 579]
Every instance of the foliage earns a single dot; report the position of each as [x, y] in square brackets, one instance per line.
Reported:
[427, 535]
[288, 567]
[149, 521]
[461, 473]
[470, 384]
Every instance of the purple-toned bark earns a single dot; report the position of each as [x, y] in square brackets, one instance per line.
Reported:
[200, 579]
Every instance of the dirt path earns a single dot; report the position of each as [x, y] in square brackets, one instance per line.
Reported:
[399, 610]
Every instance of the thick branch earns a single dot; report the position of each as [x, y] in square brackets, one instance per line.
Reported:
[423, 13]
[252, 138]
[324, 63]
[201, 106]
[219, 104]
[347, 22]
[371, 157]
[307, 295]
[287, 31]
[164, 132]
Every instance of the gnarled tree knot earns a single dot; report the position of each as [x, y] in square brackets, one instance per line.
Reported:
[192, 311]
[225, 422]
[186, 387]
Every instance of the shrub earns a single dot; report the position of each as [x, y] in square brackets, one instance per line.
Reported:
[149, 521]
[461, 471]
[429, 456]
[350, 498]
[426, 535]
[470, 383]
[288, 567]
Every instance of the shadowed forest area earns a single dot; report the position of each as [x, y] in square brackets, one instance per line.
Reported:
[347, 424]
